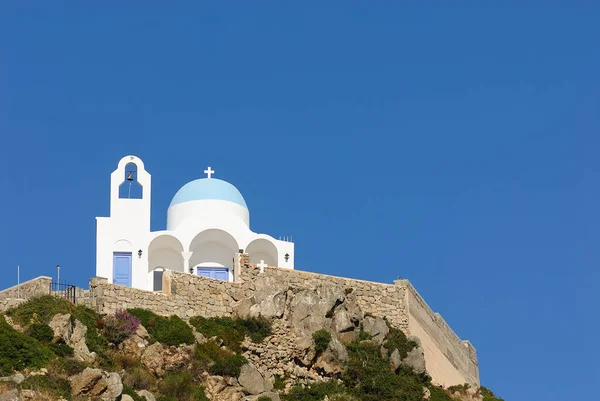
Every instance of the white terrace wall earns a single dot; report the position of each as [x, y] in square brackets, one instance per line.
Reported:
[13, 296]
[449, 360]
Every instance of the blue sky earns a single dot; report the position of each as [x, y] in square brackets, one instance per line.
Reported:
[456, 147]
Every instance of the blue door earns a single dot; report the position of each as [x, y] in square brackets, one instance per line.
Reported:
[122, 268]
[219, 273]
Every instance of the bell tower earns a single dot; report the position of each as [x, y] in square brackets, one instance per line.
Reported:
[122, 238]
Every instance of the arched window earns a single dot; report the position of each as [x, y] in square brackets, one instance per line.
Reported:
[130, 188]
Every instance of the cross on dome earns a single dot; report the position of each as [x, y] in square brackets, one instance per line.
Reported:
[209, 172]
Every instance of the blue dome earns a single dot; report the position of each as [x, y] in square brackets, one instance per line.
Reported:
[208, 188]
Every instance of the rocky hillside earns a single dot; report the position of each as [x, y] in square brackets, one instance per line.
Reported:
[308, 346]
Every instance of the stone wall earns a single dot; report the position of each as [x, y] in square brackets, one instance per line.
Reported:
[184, 295]
[450, 361]
[13, 296]
[378, 299]
[273, 291]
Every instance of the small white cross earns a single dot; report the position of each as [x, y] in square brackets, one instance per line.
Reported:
[262, 266]
[209, 172]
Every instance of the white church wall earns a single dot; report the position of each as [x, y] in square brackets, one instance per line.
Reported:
[205, 213]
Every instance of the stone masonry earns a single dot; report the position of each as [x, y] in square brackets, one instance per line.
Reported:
[449, 360]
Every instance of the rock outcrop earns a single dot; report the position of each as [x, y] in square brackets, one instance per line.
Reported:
[73, 334]
[96, 383]
[253, 381]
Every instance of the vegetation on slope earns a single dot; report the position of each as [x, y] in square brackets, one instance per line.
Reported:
[232, 331]
[366, 375]
[166, 330]
[41, 310]
[19, 351]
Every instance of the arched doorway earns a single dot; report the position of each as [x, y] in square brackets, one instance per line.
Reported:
[212, 254]
[262, 249]
[164, 253]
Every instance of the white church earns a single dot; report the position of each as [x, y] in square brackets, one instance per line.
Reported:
[208, 222]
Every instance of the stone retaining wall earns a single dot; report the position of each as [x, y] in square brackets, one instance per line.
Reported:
[17, 294]
[449, 359]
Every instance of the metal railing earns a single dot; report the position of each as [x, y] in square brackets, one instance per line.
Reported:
[63, 290]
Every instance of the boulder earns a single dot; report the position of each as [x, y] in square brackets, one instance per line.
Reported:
[415, 360]
[426, 393]
[153, 359]
[305, 348]
[62, 327]
[215, 384]
[242, 308]
[12, 395]
[332, 359]
[73, 335]
[341, 321]
[126, 397]
[273, 306]
[77, 342]
[308, 309]
[376, 327]
[159, 358]
[17, 378]
[136, 343]
[30, 395]
[395, 360]
[200, 339]
[252, 381]
[96, 383]
[146, 394]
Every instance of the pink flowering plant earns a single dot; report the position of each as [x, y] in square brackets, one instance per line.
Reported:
[119, 326]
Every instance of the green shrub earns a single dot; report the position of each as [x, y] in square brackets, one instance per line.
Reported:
[66, 367]
[279, 383]
[181, 387]
[41, 332]
[439, 394]
[232, 331]
[138, 378]
[322, 338]
[131, 392]
[44, 334]
[47, 384]
[363, 335]
[315, 392]
[264, 398]
[369, 376]
[396, 339]
[168, 331]
[61, 349]
[256, 328]
[229, 366]
[39, 310]
[488, 395]
[18, 351]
